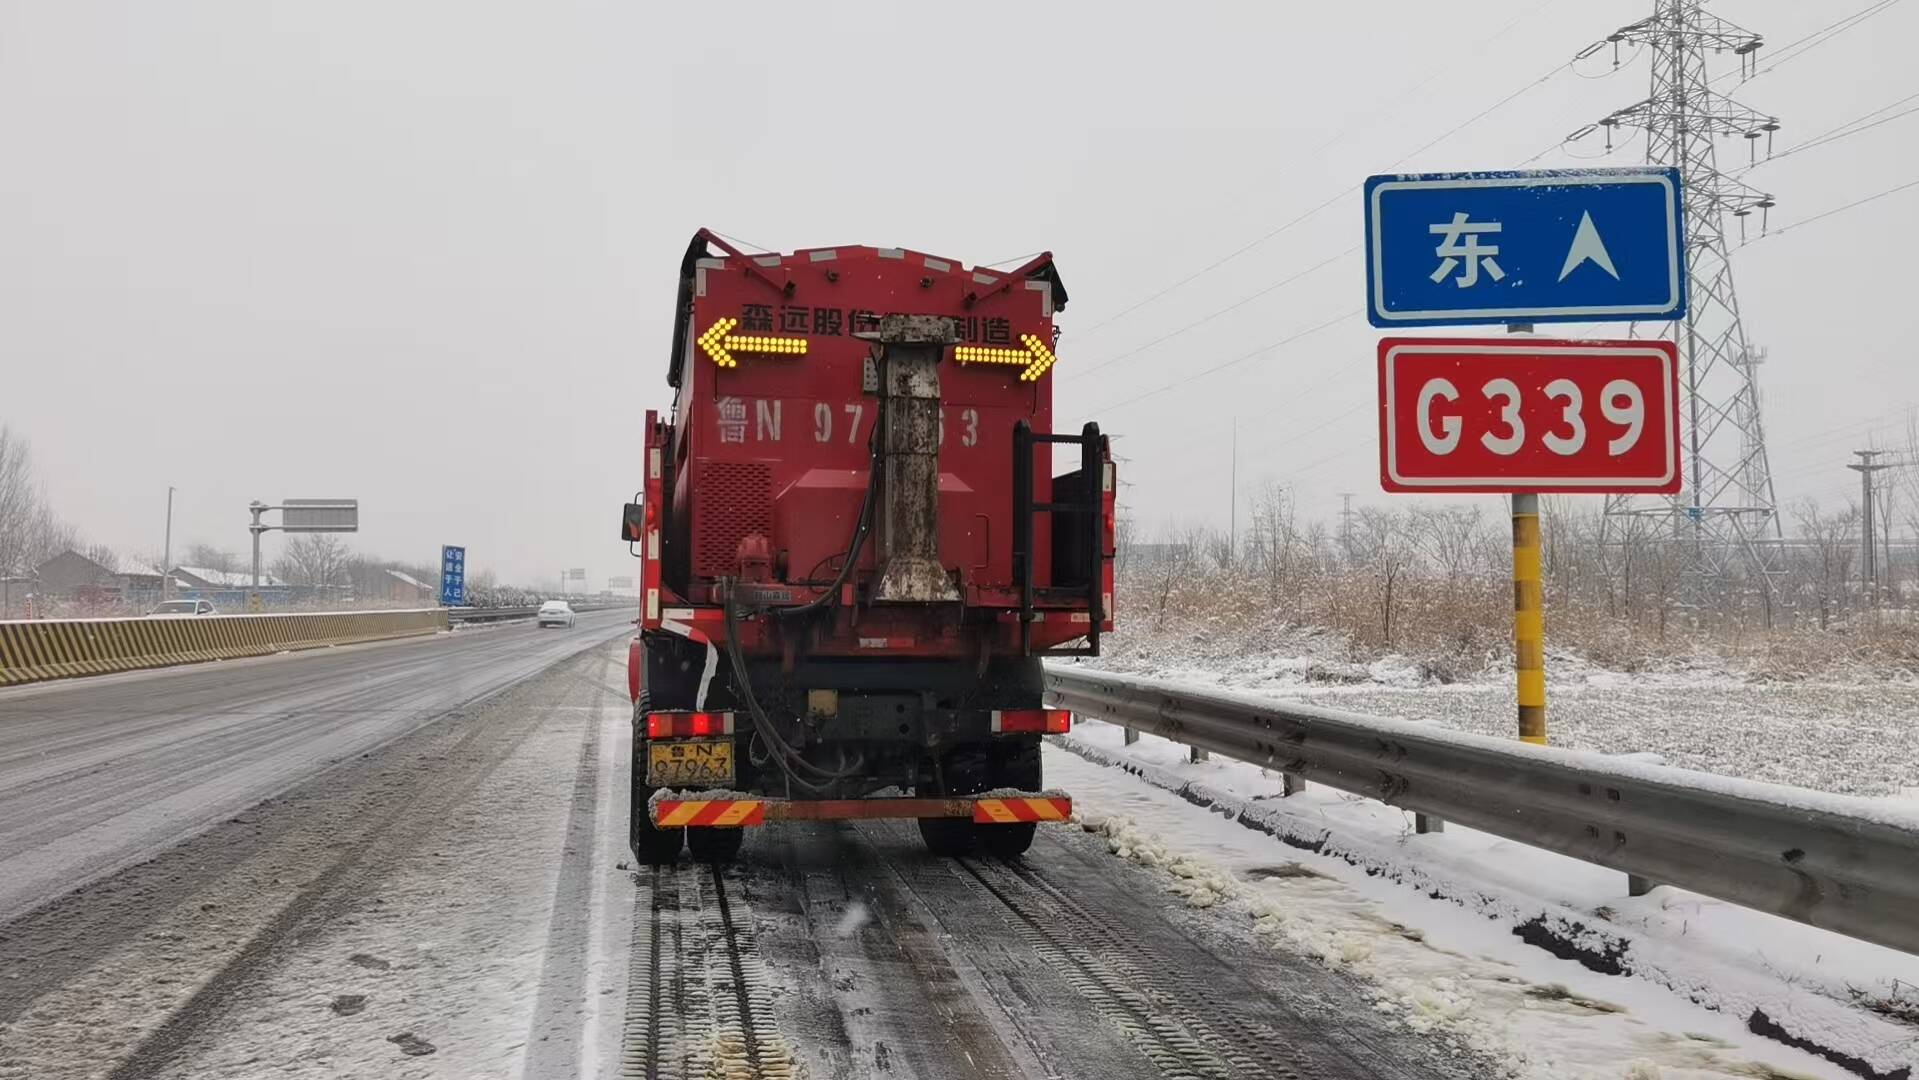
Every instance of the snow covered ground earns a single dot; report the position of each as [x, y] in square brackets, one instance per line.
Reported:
[1850, 736]
[1442, 924]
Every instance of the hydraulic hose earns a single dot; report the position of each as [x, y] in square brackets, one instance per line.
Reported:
[783, 753]
[861, 528]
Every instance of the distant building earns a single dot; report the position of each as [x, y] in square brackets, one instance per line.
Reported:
[73, 577]
[71, 574]
[204, 578]
[401, 587]
[385, 586]
[230, 590]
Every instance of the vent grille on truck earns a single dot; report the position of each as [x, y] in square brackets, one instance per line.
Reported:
[735, 500]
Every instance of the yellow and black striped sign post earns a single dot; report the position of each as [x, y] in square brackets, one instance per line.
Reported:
[1529, 620]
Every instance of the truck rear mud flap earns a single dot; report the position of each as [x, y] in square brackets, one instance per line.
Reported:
[670, 809]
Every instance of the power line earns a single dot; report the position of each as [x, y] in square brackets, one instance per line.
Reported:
[1390, 107]
[1242, 302]
[1014, 259]
[739, 241]
[1219, 262]
[1342, 194]
[1855, 204]
[1261, 351]
[1839, 26]
[1835, 134]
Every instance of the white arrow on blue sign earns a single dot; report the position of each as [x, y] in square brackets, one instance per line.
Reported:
[1585, 245]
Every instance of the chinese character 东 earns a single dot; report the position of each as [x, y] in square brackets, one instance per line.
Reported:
[1452, 252]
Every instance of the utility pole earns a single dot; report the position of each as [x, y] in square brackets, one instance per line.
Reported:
[1869, 563]
[1890, 579]
[1728, 501]
[1346, 523]
[166, 552]
[1232, 529]
[257, 508]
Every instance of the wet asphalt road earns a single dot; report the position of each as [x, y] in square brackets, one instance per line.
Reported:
[102, 772]
[400, 880]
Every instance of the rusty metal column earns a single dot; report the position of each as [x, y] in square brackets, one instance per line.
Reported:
[909, 393]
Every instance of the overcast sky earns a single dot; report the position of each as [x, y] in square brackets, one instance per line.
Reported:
[422, 254]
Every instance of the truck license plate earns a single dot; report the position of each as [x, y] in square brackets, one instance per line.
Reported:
[699, 761]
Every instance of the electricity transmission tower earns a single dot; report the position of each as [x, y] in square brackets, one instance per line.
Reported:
[1727, 508]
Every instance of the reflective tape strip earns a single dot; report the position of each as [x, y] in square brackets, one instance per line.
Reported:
[1016, 811]
[709, 813]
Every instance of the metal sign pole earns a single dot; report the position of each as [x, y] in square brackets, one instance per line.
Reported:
[1529, 609]
[1529, 619]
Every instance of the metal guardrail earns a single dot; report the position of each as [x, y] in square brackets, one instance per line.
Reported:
[1842, 863]
[459, 616]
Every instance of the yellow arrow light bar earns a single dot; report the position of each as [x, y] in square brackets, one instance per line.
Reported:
[1043, 358]
[719, 343]
[977, 354]
[1036, 357]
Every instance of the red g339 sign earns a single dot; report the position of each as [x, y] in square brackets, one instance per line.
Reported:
[1528, 415]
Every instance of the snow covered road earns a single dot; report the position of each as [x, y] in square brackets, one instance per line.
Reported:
[457, 902]
[97, 773]
[452, 897]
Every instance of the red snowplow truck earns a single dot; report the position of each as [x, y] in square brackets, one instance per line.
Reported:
[854, 551]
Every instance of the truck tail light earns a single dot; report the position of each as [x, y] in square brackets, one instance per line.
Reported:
[688, 725]
[1031, 721]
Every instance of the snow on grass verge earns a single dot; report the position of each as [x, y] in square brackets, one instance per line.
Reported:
[1751, 982]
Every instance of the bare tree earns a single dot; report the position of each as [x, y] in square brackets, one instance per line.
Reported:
[103, 555]
[1456, 538]
[1274, 542]
[208, 557]
[29, 532]
[1382, 543]
[19, 501]
[1125, 538]
[1177, 559]
[1831, 541]
[317, 559]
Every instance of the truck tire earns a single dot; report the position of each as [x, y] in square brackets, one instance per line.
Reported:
[716, 846]
[651, 846]
[965, 772]
[1014, 765]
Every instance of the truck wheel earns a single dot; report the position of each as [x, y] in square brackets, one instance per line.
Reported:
[1012, 766]
[714, 845]
[651, 846]
[965, 772]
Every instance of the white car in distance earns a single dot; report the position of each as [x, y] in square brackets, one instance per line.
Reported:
[556, 613]
[182, 609]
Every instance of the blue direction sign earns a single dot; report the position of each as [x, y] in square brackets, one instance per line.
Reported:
[452, 576]
[1545, 246]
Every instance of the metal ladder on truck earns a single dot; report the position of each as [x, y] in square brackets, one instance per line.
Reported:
[1083, 514]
